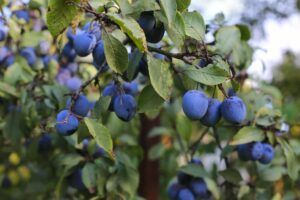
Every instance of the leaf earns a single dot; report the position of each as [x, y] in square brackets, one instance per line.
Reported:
[184, 126]
[60, 14]
[15, 125]
[101, 134]
[14, 29]
[149, 100]
[195, 170]
[132, 29]
[177, 30]
[289, 154]
[245, 32]
[7, 90]
[160, 76]
[69, 160]
[226, 38]
[232, 176]
[194, 25]
[213, 74]
[115, 53]
[32, 39]
[248, 134]
[212, 187]
[169, 8]
[183, 4]
[101, 106]
[156, 151]
[89, 175]
[133, 65]
[272, 174]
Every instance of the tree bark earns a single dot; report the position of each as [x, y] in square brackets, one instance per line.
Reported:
[149, 170]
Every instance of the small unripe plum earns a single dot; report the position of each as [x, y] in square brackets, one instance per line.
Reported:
[147, 21]
[68, 52]
[45, 143]
[213, 114]
[66, 123]
[81, 106]
[257, 150]
[74, 83]
[131, 88]
[185, 194]
[84, 44]
[198, 187]
[268, 154]
[233, 109]
[194, 104]
[98, 54]
[173, 190]
[29, 54]
[125, 107]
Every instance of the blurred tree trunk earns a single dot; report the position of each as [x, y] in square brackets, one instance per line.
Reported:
[149, 170]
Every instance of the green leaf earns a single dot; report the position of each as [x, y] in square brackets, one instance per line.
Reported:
[15, 125]
[245, 32]
[169, 8]
[69, 160]
[289, 154]
[14, 29]
[101, 106]
[212, 187]
[89, 175]
[177, 30]
[32, 38]
[183, 4]
[149, 100]
[272, 174]
[7, 90]
[133, 65]
[160, 76]
[132, 29]
[101, 134]
[232, 176]
[195, 170]
[248, 134]
[194, 25]
[213, 74]
[157, 151]
[59, 15]
[226, 38]
[184, 126]
[136, 7]
[115, 53]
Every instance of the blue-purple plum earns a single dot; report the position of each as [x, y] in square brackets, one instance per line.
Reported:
[268, 154]
[213, 113]
[63, 76]
[112, 91]
[156, 34]
[143, 67]
[231, 92]
[68, 52]
[3, 34]
[196, 161]
[185, 194]
[66, 123]
[147, 21]
[203, 63]
[71, 34]
[98, 54]
[257, 150]
[173, 190]
[75, 180]
[74, 83]
[93, 28]
[198, 188]
[72, 67]
[81, 106]
[131, 88]
[84, 44]
[22, 15]
[29, 54]
[233, 110]
[99, 152]
[244, 151]
[125, 107]
[10, 59]
[4, 52]
[45, 143]
[183, 178]
[194, 104]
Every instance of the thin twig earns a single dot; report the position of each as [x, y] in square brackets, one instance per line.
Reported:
[220, 86]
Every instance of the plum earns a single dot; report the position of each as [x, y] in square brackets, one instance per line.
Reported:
[66, 123]
[194, 104]
[233, 109]
[125, 107]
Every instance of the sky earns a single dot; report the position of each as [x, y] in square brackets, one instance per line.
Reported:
[281, 35]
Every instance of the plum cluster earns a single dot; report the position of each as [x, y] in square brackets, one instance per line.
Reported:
[197, 106]
[122, 102]
[188, 187]
[256, 151]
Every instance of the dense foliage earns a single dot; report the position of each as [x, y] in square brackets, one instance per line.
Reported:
[77, 77]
